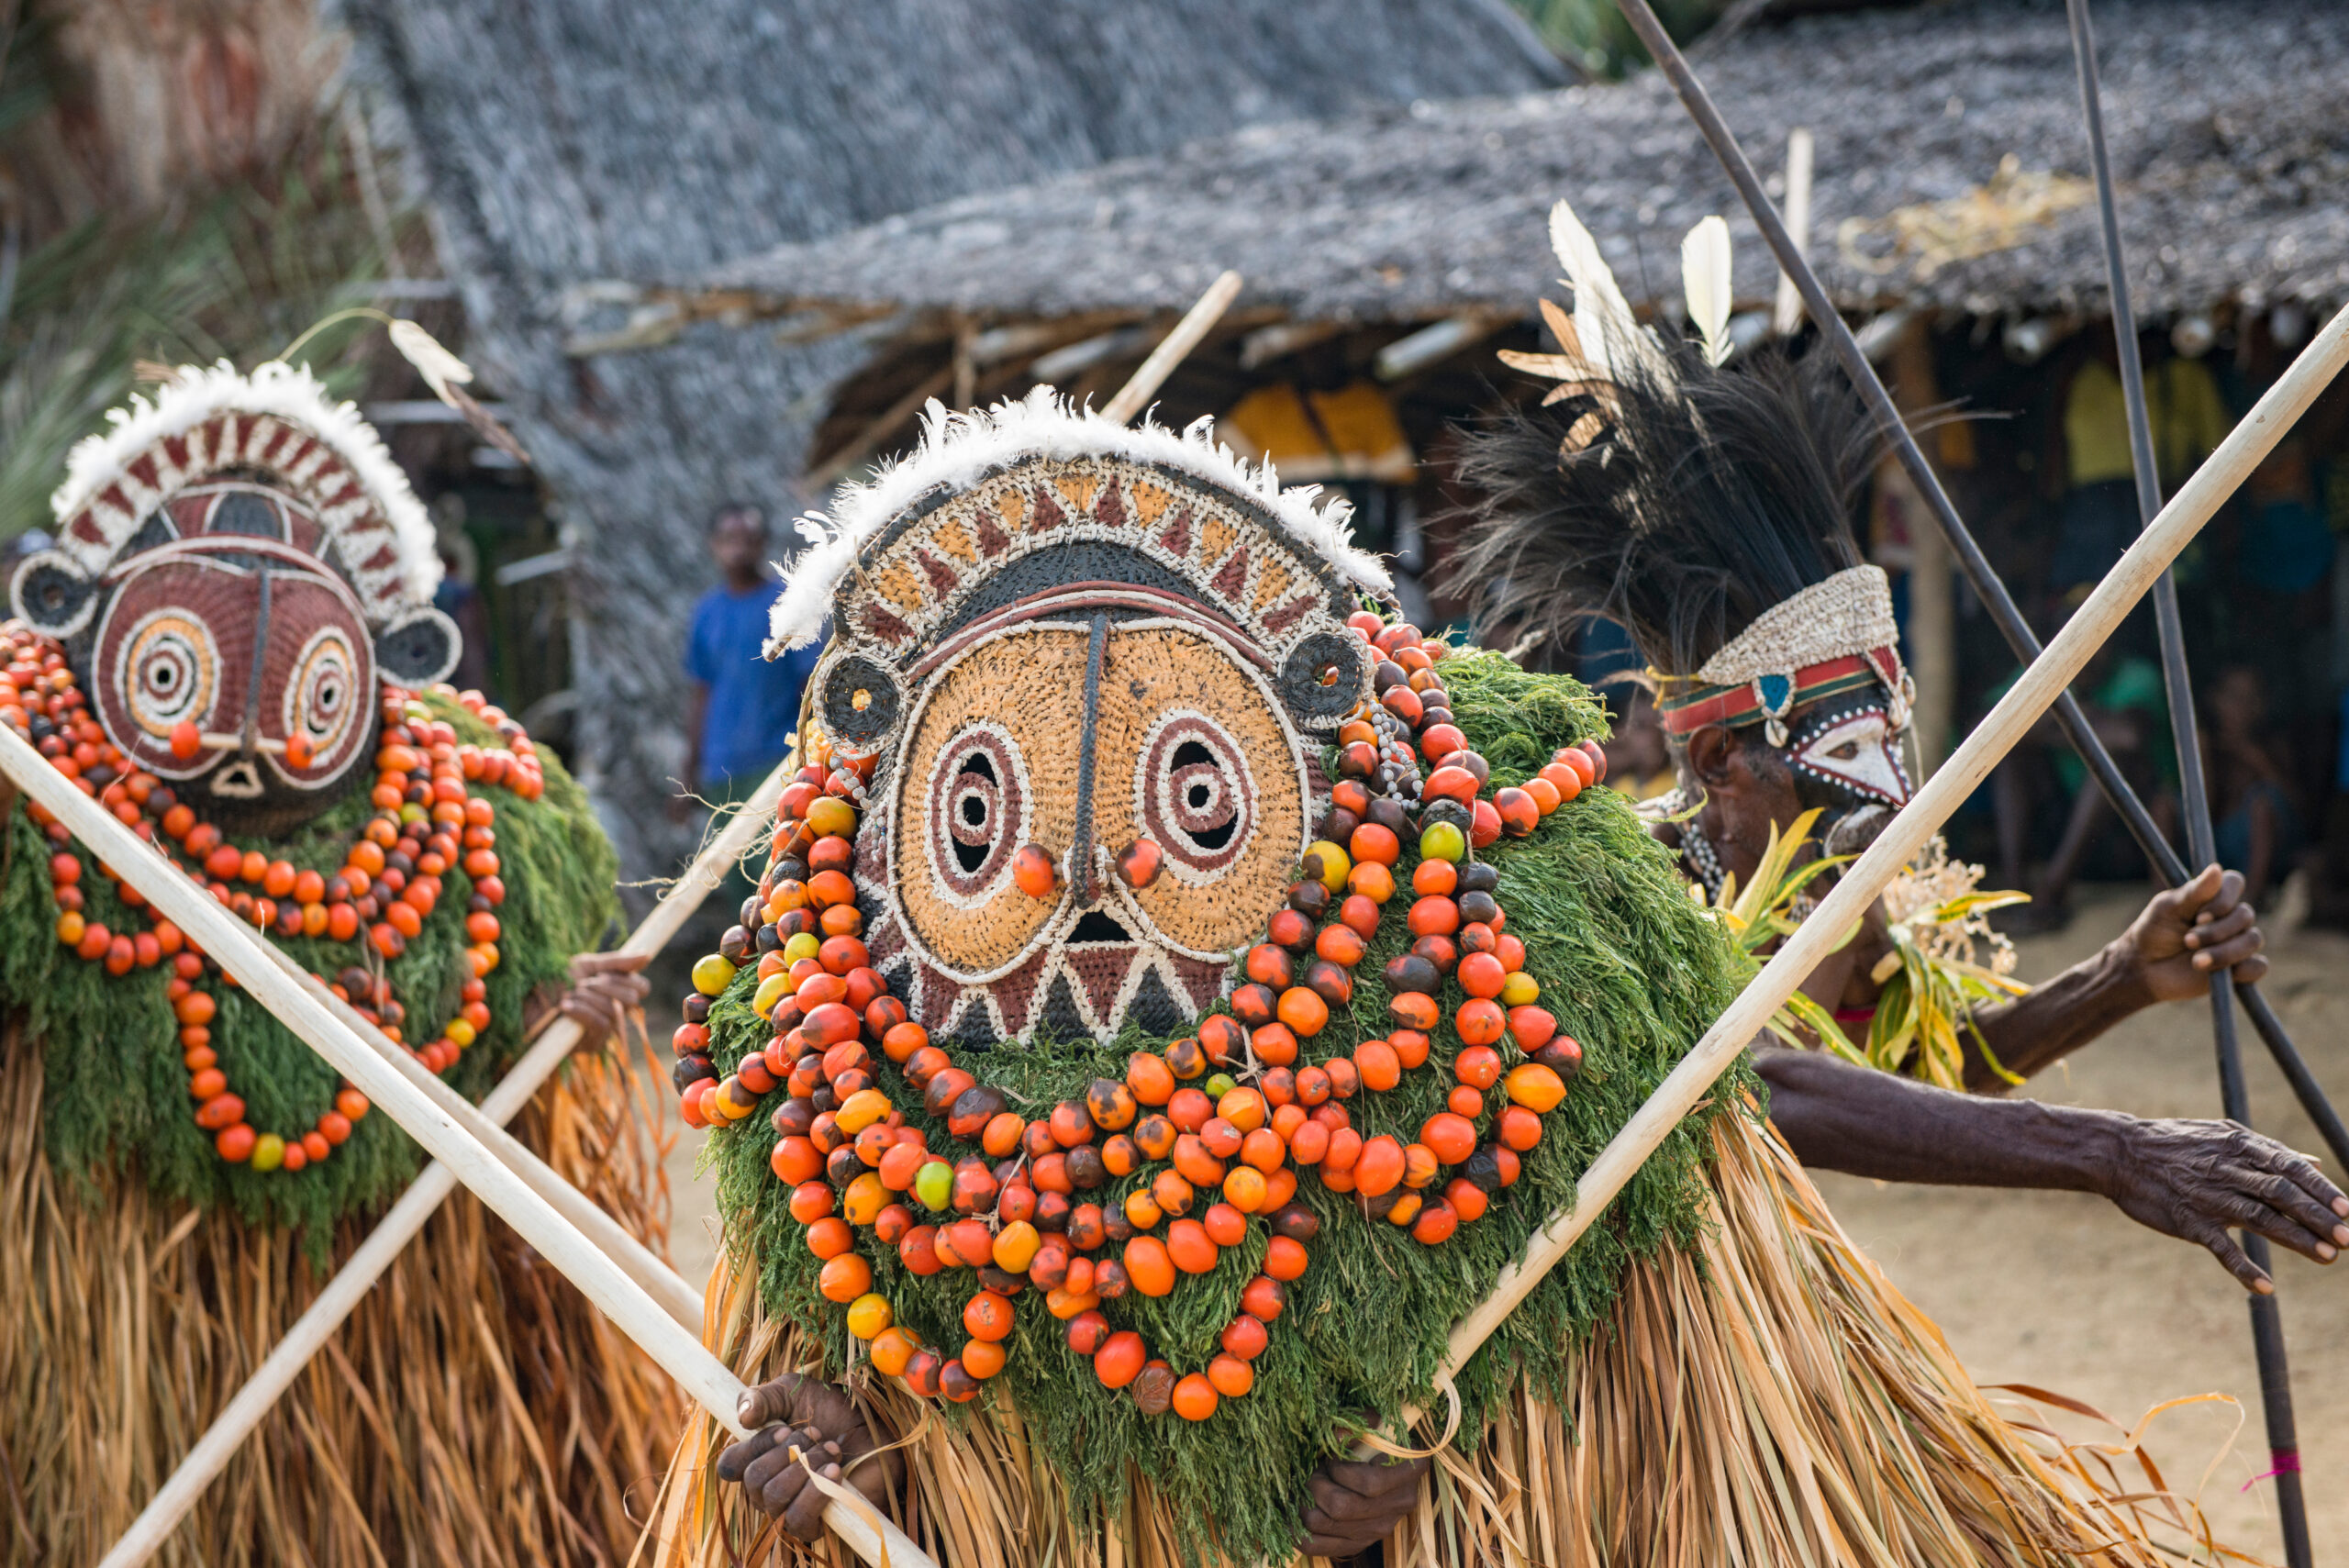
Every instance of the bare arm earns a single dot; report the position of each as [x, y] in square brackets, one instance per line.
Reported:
[2166, 955]
[2193, 1180]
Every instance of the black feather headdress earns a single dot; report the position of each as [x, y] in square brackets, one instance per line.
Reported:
[1657, 485]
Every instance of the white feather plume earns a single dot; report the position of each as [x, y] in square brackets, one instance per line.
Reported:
[1603, 325]
[1705, 273]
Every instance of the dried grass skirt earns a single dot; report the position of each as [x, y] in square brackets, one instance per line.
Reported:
[1768, 1399]
[475, 1410]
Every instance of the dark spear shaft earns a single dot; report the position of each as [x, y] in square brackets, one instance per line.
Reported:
[1978, 571]
[2266, 1318]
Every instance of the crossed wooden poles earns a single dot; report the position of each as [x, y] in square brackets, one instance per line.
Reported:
[648, 1303]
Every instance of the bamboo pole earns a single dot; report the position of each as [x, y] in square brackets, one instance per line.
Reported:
[664, 1284]
[1863, 881]
[244, 955]
[1195, 324]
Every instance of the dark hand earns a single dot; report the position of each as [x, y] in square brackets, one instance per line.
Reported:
[2184, 934]
[605, 988]
[816, 1418]
[2196, 1180]
[1355, 1506]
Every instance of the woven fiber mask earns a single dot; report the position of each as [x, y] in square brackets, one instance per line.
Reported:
[238, 565]
[1092, 672]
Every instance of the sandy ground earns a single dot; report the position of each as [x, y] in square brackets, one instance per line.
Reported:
[2061, 1291]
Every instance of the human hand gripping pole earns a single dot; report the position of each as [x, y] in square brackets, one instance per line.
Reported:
[248, 961]
[2245, 447]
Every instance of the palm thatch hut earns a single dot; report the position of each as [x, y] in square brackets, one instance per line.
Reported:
[570, 156]
[1949, 207]
[2229, 130]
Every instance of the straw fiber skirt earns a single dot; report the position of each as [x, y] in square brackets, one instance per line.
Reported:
[1768, 1400]
[475, 1411]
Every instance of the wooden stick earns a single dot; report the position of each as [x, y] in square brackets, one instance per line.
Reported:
[1195, 324]
[244, 955]
[2031, 696]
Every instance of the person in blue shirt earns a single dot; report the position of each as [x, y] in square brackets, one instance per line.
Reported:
[743, 710]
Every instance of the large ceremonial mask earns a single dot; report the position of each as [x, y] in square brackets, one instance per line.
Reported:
[237, 567]
[232, 634]
[232, 646]
[1151, 1008]
[1128, 660]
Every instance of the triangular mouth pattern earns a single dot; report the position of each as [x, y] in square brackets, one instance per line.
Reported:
[1100, 983]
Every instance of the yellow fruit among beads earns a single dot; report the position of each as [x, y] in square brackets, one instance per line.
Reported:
[861, 1110]
[1535, 1087]
[1335, 863]
[807, 944]
[712, 974]
[831, 816]
[772, 989]
[868, 1318]
[1519, 990]
[865, 1199]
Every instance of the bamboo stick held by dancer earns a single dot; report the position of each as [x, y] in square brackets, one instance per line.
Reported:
[2267, 1332]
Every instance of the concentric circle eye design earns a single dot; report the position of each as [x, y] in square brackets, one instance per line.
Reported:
[170, 672]
[322, 695]
[1194, 795]
[979, 812]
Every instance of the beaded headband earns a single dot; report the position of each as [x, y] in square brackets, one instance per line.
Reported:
[1835, 636]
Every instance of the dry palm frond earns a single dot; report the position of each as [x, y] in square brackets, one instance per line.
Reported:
[2010, 209]
[475, 1410]
[1765, 1399]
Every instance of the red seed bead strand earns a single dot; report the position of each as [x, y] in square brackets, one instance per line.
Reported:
[428, 819]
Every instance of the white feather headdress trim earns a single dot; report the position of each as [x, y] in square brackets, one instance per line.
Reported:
[286, 393]
[958, 450]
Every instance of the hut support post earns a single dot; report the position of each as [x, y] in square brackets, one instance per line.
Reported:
[2267, 1314]
[1978, 571]
[400, 1225]
[1863, 881]
[243, 954]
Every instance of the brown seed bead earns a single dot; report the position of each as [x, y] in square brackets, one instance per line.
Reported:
[1155, 1390]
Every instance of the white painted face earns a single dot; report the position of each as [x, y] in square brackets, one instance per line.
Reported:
[1856, 751]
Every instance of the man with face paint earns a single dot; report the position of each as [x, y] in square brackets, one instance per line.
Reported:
[1705, 508]
[1758, 747]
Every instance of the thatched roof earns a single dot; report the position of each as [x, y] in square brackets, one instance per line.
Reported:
[561, 146]
[2229, 126]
